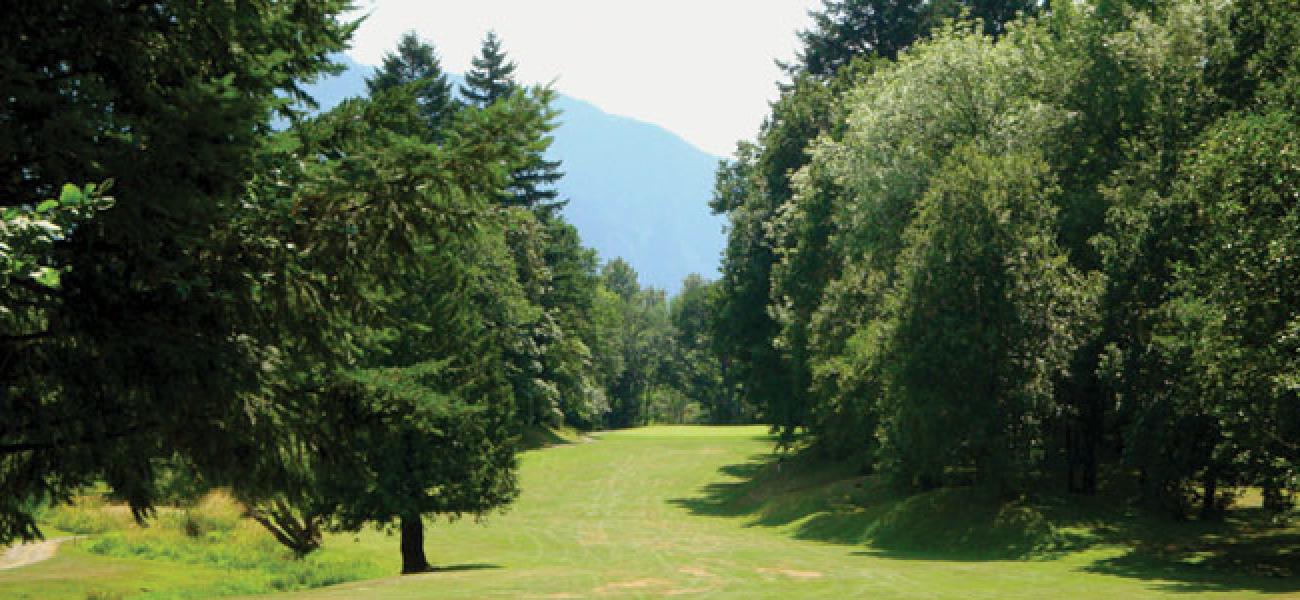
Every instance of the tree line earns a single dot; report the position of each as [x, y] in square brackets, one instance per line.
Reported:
[995, 242]
[348, 320]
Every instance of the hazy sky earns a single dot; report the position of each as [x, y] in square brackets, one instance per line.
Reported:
[700, 68]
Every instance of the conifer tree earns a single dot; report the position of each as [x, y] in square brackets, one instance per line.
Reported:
[114, 313]
[533, 185]
[492, 78]
[493, 75]
[845, 29]
[417, 61]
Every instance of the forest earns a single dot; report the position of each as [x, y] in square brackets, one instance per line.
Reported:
[992, 244]
[1005, 247]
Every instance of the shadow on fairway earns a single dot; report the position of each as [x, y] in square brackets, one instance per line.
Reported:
[1235, 556]
[834, 504]
[459, 568]
[537, 437]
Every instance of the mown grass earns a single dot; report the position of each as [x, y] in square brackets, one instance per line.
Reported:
[711, 512]
[816, 501]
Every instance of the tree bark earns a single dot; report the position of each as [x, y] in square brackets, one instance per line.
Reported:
[1209, 500]
[1092, 439]
[413, 559]
[1083, 439]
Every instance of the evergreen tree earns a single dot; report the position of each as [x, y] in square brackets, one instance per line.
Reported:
[571, 297]
[421, 422]
[163, 299]
[493, 75]
[846, 29]
[491, 79]
[843, 29]
[533, 186]
[416, 62]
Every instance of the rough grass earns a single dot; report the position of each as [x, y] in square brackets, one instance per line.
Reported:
[712, 512]
[88, 515]
[223, 553]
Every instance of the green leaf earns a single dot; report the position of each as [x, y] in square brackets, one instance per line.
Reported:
[47, 277]
[47, 206]
[71, 195]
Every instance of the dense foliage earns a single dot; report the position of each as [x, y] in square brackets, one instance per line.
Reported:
[154, 325]
[1017, 245]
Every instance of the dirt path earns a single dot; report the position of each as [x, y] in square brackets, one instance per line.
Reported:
[31, 553]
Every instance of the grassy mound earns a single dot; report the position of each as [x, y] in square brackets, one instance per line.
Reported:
[830, 502]
[535, 437]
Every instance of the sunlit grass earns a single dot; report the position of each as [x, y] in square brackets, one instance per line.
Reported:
[705, 512]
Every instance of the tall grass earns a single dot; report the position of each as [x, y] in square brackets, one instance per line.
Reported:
[213, 533]
[88, 515]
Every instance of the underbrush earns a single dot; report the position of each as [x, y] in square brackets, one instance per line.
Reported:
[86, 515]
[214, 533]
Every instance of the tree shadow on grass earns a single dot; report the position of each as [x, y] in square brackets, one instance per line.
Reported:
[1241, 553]
[459, 568]
[537, 437]
[834, 504]
[1245, 551]
[731, 498]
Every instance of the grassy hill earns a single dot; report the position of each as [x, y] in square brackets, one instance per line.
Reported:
[703, 512]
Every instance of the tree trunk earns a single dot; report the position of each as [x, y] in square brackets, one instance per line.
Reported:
[1209, 500]
[413, 560]
[1071, 459]
[1094, 426]
[1083, 439]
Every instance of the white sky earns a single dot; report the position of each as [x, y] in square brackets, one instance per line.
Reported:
[700, 68]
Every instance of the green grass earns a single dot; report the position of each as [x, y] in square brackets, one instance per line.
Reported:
[710, 512]
[200, 552]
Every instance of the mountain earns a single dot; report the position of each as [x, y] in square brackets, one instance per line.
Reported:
[635, 190]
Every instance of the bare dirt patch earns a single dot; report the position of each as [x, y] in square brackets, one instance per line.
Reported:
[635, 584]
[790, 573]
[696, 571]
[597, 537]
[31, 553]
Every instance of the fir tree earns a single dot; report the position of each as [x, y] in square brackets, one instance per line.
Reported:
[417, 61]
[493, 75]
[533, 185]
[492, 78]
